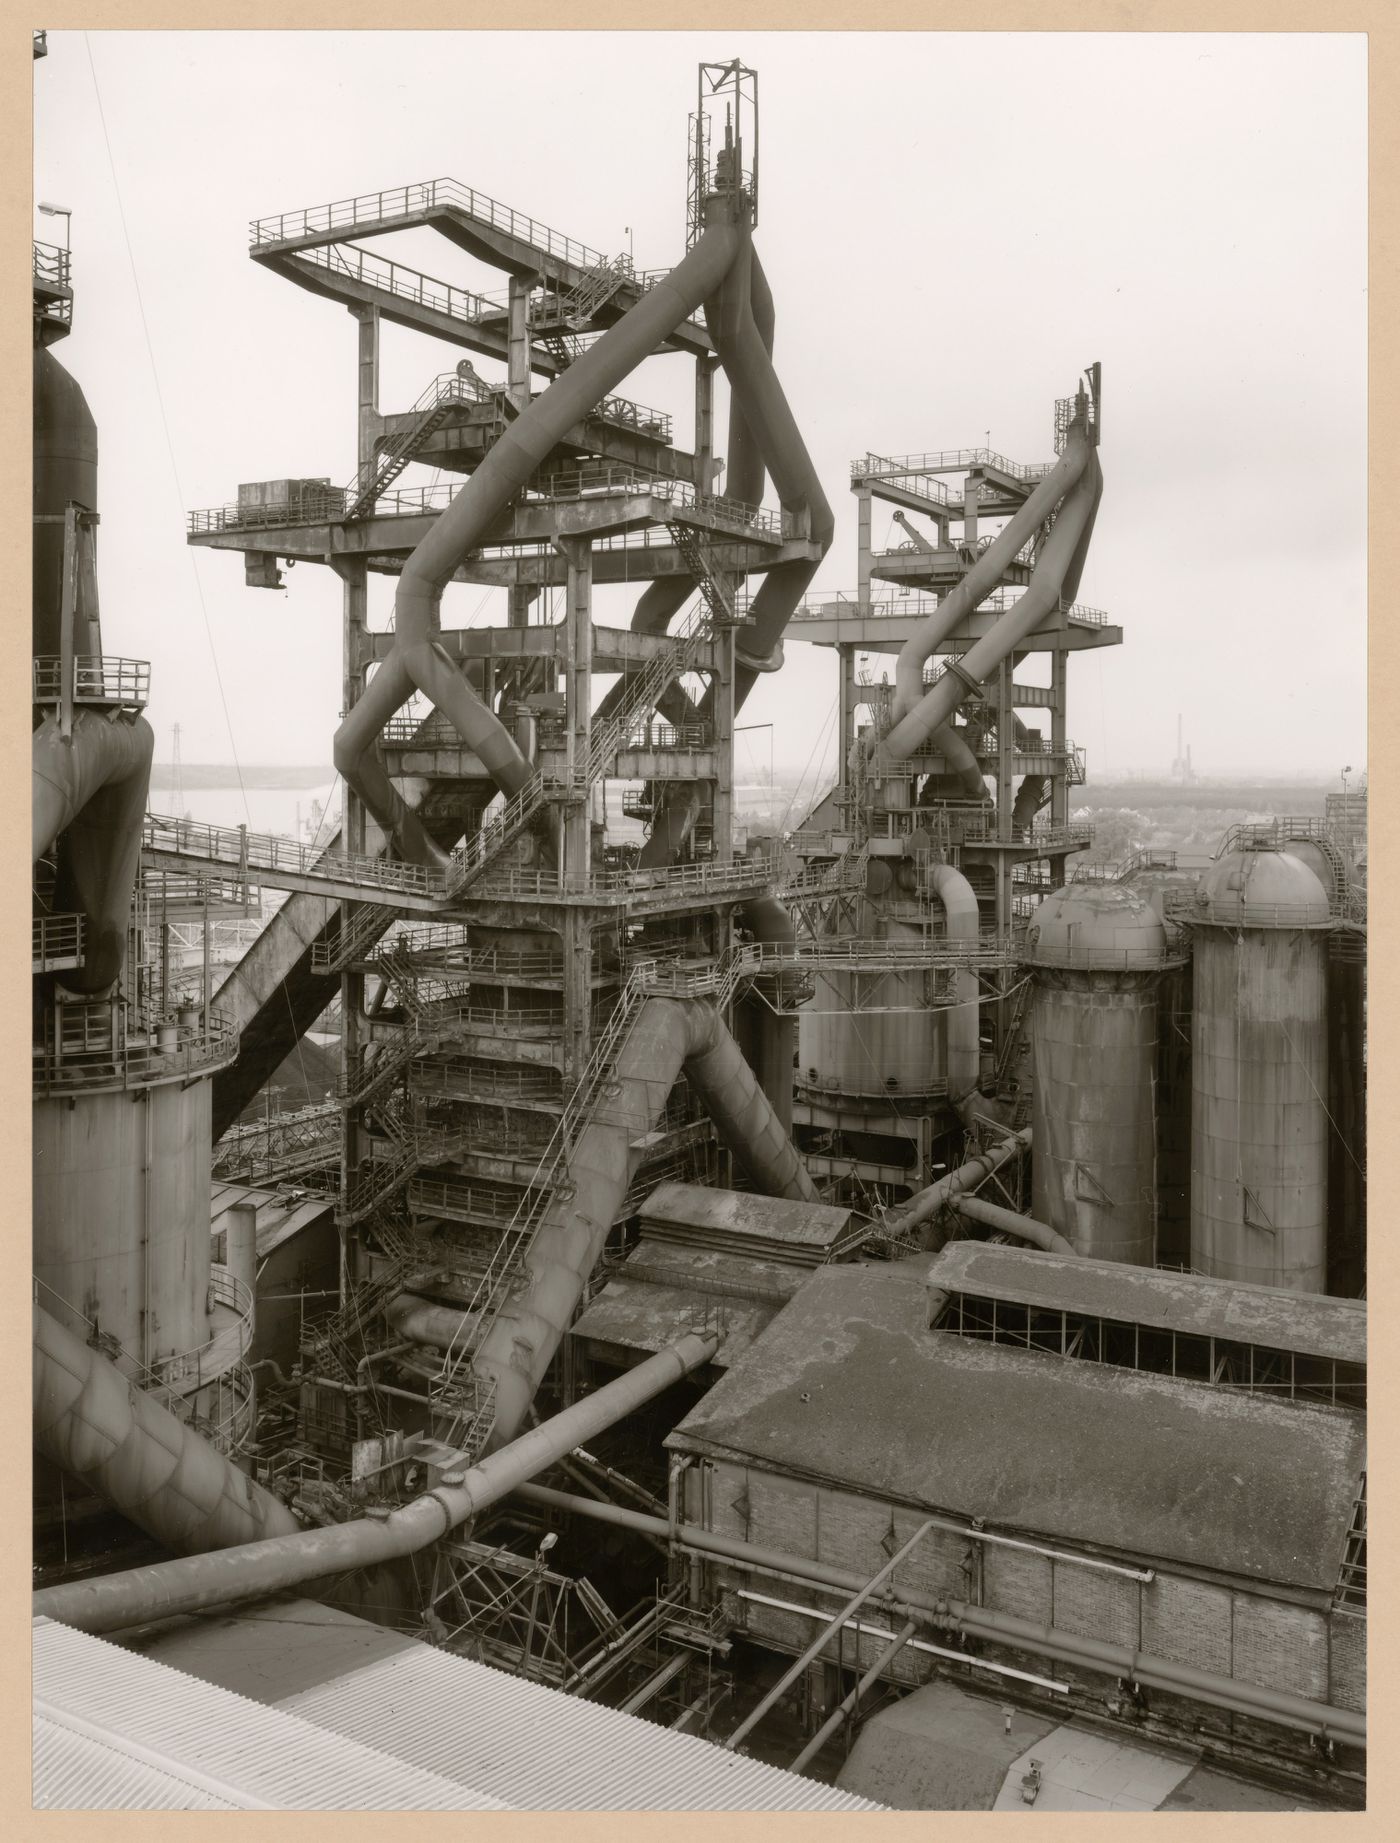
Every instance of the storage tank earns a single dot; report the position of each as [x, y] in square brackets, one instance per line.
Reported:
[873, 1033]
[1259, 1072]
[121, 1214]
[1098, 951]
[65, 473]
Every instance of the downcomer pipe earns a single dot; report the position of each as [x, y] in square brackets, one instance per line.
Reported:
[1236, 1694]
[96, 1425]
[166, 1589]
[667, 1035]
[417, 658]
[928, 1202]
[1060, 557]
[964, 1026]
[982, 578]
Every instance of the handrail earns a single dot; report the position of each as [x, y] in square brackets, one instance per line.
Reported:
[97, 678]
[424, 196]
[58, 941]
[191, 1369]
[329, 504]
[93, 1060]
[395, 278]
[52, 266]
[950, 460]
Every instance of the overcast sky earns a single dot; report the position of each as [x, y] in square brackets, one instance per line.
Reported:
[953, 226]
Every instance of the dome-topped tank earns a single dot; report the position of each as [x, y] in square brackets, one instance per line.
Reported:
[1098, 950]
[1259, 1072]
[1094, 925]
[1262, 888]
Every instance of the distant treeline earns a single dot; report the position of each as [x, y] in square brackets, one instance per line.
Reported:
[194, 775]
[1214, 796]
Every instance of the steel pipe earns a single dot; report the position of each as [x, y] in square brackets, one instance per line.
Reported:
[200, 1582]
[804, 1658]
[1235, 1694]
[982, 578]
[848, 1702]
[928, 1202]
[667, 1036]
[1025, 1228]
[162, 1475]
[1063, 550]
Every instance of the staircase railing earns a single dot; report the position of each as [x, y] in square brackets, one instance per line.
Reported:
[579, 1109]
[428, 415]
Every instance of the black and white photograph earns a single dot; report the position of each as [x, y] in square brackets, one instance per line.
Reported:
[700, 861]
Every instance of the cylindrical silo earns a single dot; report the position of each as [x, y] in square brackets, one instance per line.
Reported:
[1098, 950]
[121, 1215]
[1259, 1073]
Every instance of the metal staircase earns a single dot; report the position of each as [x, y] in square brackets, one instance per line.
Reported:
[362, 926]
[507, 1261]
[647, 980]
[429, 413]
[558, 308]
[715, 586]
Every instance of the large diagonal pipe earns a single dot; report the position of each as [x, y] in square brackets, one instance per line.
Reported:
[418, 659]
[199, 1583]
[982, 578]
[1062, 552]
[668, 1035]
[740, 322]
[162, 1475]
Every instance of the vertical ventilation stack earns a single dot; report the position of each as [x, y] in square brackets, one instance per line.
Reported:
[1098, 950]
[1259, 1072]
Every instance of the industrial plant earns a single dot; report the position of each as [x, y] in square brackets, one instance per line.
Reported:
[868, 1315]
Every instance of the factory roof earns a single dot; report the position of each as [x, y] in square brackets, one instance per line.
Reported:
[1306, 1323]
[116, 1730]
[663, 1290]
[525, 1743]
[849, 1387]
[281, 1214]
[733, 1219]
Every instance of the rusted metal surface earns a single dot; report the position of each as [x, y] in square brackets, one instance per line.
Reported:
[848, 1386]
[1259, 1115]
[1306, 1323]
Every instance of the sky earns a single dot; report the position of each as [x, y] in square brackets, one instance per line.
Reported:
[953, 225]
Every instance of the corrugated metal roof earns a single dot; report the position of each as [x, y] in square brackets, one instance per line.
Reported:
[545, 1751]
[1306, 1323]
[75, 1771]
[849, 1386]
[527, 1743]
[115, 1728]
